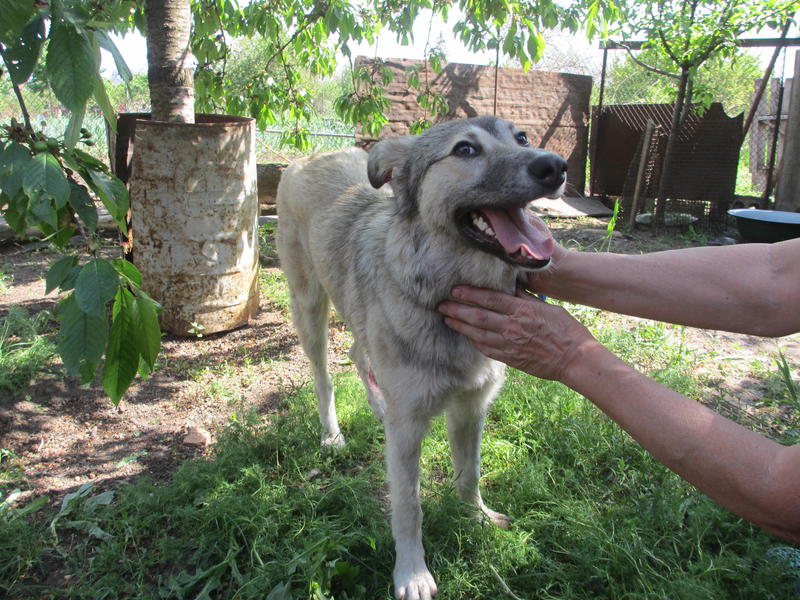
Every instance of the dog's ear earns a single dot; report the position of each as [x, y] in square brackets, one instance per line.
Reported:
[385, 156]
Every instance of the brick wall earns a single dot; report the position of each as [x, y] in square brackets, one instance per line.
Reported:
[552, 107]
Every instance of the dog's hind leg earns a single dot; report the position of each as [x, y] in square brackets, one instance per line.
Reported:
[465, 418]
[310, 307]
[310, 315]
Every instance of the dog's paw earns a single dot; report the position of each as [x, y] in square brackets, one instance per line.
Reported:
[416, 584]
[332, 441]
[499, 519]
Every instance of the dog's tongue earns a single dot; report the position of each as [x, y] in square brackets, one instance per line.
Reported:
[513, 231]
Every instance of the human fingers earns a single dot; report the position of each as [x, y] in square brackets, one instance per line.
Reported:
[485, 338]
[489, 299]
[473, 315]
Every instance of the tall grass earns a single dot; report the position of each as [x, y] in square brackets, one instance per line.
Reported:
[271, 515]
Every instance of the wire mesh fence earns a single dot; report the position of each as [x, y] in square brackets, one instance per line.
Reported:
[48, 116]
[767, 136]
[630, 143]
[324, 136]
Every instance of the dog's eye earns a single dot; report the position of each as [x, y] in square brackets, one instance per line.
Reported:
[465, 149]
[522, 139]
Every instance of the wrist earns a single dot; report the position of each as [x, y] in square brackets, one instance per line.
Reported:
[589, 366]
[548, 282]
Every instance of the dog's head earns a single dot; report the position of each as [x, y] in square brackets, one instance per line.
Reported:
[473, 179]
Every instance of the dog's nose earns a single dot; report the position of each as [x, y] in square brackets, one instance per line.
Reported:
[548, 169]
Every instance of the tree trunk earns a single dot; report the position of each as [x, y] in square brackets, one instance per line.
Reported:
[787, 191]
[666, 164]
[170, 63]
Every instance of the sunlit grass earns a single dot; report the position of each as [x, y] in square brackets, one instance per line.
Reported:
[271, 515]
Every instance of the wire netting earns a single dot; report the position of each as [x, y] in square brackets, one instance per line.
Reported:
[47, 115]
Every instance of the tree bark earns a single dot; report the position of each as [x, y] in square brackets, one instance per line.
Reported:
[170, 63]
[787, 190]
[678, 114]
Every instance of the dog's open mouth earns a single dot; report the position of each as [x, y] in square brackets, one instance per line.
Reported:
[509, 234]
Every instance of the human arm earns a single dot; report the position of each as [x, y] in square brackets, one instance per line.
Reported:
[747, 288]
[750, 475]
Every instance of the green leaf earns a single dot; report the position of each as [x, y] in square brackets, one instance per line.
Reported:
[16, 214]
[21, 58]
[73, 131]
[61, 237]
[83, 339]
[147, 333]
[58, 272]
[16, 13]
[106, 43]
[72, 277]
[97, 283]
[113, 193]
[128, 270]
[122, 356]
[82, 204]
[41, 206]
[44, 175]
[591, 19]
[101, 96]
[14, 162]
[282, 591]
[72, 64]
[33, 506]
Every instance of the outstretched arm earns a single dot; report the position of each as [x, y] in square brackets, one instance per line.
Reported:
[748, 288]
[751, 475]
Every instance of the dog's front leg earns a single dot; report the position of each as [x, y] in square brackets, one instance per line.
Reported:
[465, 417]
[412, 580]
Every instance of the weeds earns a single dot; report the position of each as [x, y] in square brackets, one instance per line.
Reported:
[11, 469]
[268, 252]
[5, 279]
[786, 376]
[272, 515]
[275, 289]
[605, 241]
[25, 350]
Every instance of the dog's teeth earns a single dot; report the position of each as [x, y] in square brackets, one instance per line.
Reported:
[481, 225]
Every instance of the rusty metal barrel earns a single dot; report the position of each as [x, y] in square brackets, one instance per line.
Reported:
[194, 214]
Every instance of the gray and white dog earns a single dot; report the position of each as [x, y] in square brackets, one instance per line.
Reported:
[456, 212]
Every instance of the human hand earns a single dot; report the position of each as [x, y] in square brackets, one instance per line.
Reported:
[522, 331]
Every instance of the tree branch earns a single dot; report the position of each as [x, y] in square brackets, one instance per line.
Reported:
[309, 20]
[26, 117]
[645, 65]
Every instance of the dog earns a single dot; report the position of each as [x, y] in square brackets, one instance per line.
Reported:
[384, 236]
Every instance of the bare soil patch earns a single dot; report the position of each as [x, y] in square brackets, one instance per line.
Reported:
[64, 435]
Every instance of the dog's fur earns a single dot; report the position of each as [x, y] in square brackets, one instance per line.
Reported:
[386, 259]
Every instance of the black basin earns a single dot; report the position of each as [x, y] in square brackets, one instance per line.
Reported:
[756, 225]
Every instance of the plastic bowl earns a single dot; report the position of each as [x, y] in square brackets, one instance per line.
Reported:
[756, 225]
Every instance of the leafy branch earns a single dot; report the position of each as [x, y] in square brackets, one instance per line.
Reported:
[50, 185]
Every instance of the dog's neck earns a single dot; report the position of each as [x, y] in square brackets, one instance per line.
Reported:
[425, 273]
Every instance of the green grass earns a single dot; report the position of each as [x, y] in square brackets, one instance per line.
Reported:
[25, 349]
[6, 277]
[274, 289]
[595, 516]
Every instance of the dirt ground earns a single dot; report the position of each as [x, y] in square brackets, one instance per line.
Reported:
[63, 435]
